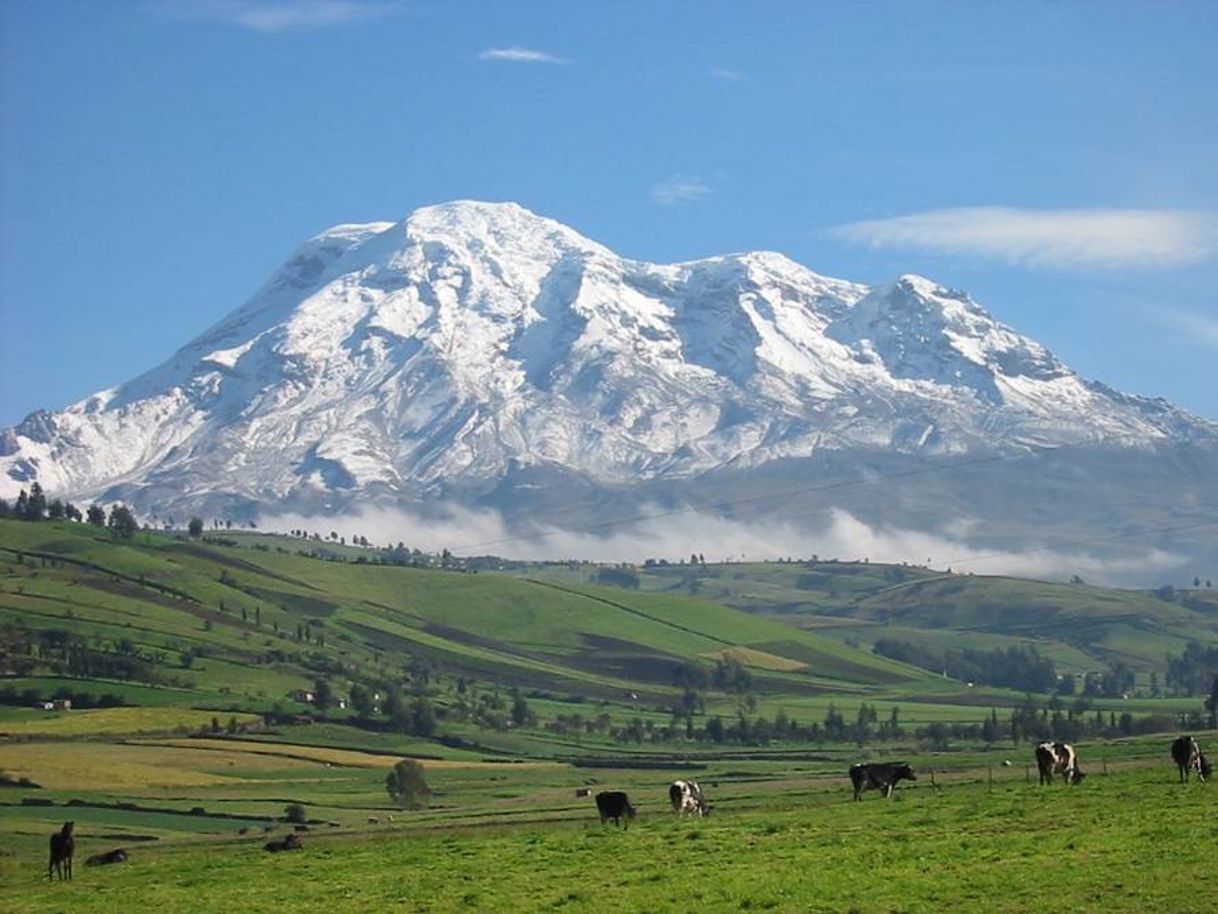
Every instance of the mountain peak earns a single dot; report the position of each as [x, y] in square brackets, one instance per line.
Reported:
[472, 341]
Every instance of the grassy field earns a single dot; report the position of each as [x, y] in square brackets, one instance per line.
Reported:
[1131, 840]
[210, 749]
[1081, 627]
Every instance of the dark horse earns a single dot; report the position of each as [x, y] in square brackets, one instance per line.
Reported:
[63, 846]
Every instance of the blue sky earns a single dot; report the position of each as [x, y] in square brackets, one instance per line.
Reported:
[158, 158]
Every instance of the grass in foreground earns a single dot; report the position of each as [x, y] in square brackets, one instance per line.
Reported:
[1131, 841]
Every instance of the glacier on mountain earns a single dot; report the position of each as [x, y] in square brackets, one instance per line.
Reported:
[476, 343]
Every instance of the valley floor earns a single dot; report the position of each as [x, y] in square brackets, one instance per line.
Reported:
[1131, 839]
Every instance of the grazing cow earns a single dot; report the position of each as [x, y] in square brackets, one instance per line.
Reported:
[118, 855]
[583, 792]
[63, 846]
[1187, 755]
[880, 775]
[615, 805]
[288, 842]
[1057, 758]
[686, 797]
[1206, 770]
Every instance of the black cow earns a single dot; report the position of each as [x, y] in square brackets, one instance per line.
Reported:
[615, 805]
[686, 797]
[879, 775]
[1057, 758]
[288, 842]
[1187, 755]
[118, 855]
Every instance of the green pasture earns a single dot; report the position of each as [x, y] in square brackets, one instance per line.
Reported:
[787, 840]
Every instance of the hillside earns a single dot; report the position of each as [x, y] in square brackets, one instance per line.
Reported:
[216, 624]
[1079, 626]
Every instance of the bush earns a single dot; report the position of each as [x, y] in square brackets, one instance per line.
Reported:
[406, 785]
[295, 813]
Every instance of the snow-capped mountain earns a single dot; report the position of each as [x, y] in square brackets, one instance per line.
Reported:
[473, 344]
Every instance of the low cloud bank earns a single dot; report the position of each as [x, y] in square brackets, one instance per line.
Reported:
[674, 536]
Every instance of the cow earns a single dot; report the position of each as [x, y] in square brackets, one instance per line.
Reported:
[1057, 758]
[583, 792]
[879, 775]
[288, 842]
[686, 797]
[615, 805]
[1187, 755]
[1206, 770]
[118, 855]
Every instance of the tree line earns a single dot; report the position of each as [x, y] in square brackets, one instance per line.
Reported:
[34, 506]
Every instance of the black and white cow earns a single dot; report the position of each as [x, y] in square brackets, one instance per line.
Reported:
[1058, 758]
[615, 805]
[686, 797]
[1187, 755]
[880, 776]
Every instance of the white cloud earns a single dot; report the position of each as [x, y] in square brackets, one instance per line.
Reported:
[1052, 238]
[1200, 328]
[278, 15]
[674, 535]
[726, 75]
[520, 55]
[679, 189]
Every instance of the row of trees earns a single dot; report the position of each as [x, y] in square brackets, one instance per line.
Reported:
[33, 506]
[1017, 667]
[1193, 672]
[65, 653]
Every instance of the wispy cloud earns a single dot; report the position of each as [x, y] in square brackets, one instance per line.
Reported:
[278, 15]
[727, 75]
[679, 189]
[1199, 327]
[1048, 238]
[518, 54]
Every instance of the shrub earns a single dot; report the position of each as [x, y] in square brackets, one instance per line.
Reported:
[295, 813]
[405, 783]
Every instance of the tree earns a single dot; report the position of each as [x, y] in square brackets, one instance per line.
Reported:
[323, 695]
[122, 522]
[1211, 704]
[406, 785]
[295, 813]
[96, 516]
[522, 714]
[422, 717]
[195, 527]
[36, 507]
[361, 700]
